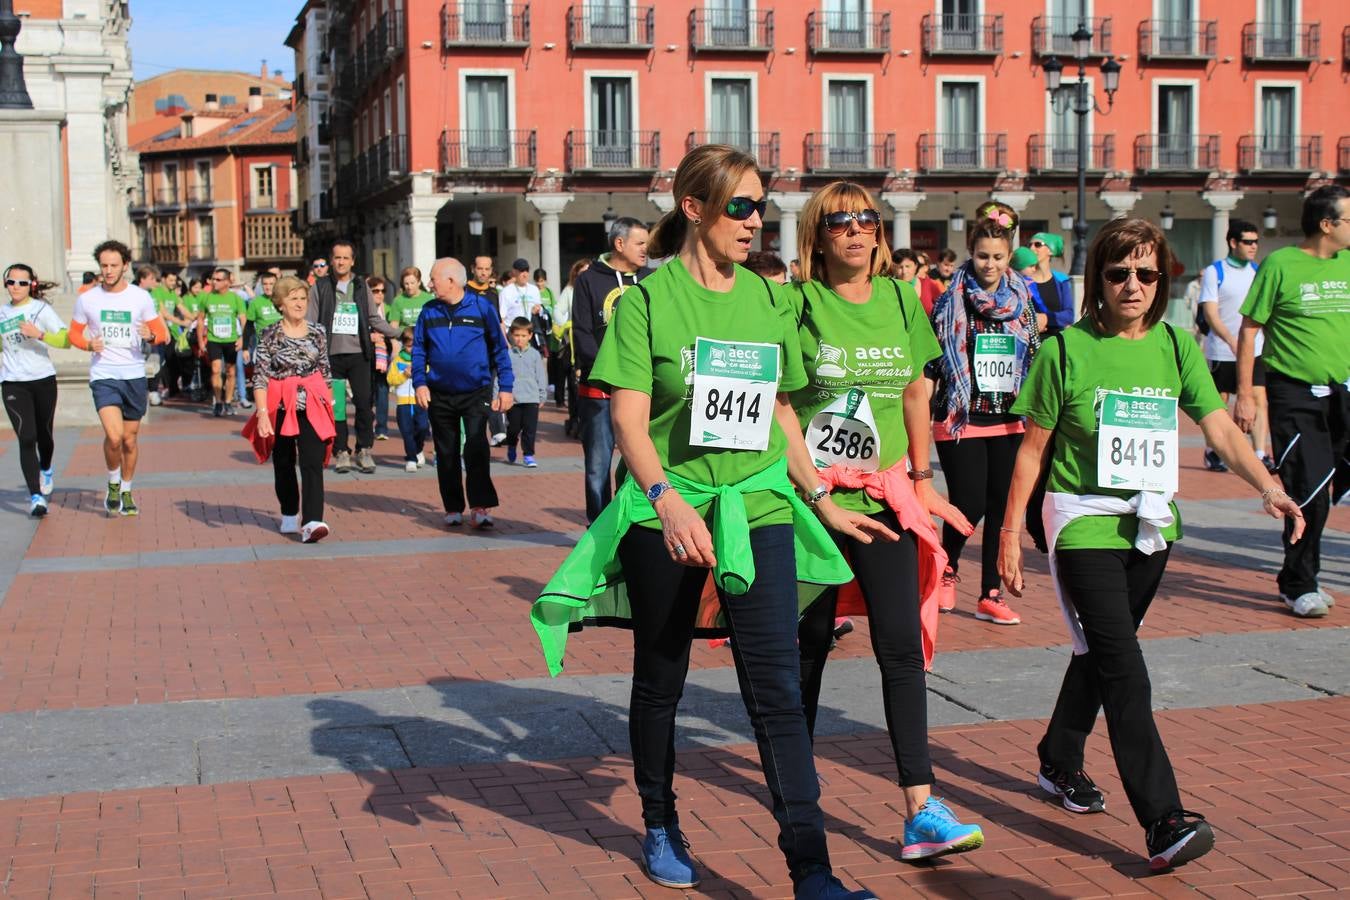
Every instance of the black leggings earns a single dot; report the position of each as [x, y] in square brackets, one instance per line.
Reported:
[311, 451]
[32, 411]
[979, 473]
[888, 574]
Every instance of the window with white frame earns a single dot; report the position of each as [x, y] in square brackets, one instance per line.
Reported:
[169, 186]
[729, 23]
[960, 116]
[487, 110]
[1176, 126]
[1176, 28]
[1278, 116]
[264, 187]
[611, 121]
[729, 112]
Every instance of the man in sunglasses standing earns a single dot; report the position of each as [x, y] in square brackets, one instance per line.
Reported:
[1223, 287]
[1301, 301]
[597, 291]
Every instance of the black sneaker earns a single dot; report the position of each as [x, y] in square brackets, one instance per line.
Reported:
[842, 627]
[217, 409]
[1172, 840]
[1074, 789]
[1213, 462]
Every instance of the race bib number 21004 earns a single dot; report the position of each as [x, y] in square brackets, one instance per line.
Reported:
[735, 384]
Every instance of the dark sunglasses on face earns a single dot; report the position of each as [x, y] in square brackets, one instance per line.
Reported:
[1249, 242]
[742, 208]
[13, 282]
[1121, 274]
[321, 265]
[837, 223]
[1036, 244]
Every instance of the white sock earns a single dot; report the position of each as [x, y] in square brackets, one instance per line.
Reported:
[126, 485]
[115, 475]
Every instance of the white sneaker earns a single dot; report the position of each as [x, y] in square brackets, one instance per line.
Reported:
[290, 525]
[46, 484]
[1306, 606]
[155, 399]
[38, 506]
[421, 459]
[313, 532]
[481, 519]
[1329, 600]
[453, 519]
[499, 438]
[410, 466]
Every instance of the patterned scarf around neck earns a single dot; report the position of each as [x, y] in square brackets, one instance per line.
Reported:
[1005, 304]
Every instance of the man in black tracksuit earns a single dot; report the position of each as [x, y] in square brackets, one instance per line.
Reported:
[340, 302]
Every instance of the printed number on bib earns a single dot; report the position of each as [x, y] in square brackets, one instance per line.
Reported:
[845, 434]
[9, 331]
[734, 388]
[995, 363]
[116, 328]
[1137, 443]
[222, 327]
[345, 319]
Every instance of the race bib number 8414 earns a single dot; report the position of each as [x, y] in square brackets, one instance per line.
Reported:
[735, 384]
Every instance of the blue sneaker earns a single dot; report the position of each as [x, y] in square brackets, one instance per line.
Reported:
[822, 885]
[935, 832]
[511, 455]
[666, 860]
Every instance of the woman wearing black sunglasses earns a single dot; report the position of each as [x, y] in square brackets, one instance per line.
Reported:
[865, 339]
[28, 326]
[986, 325]
[699, 360]
[1102, 407]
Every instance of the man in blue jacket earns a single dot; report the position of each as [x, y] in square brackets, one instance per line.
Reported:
[458, 348]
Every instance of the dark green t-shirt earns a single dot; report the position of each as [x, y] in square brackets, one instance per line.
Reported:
[222, 316]
[1303, 306]
[1070, 401]
[650, 348]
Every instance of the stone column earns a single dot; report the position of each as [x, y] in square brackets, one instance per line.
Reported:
[423, 205]
[904, 203]
[1019, 201]
[550, 206]
[1121, 202]
[789, 205]
[1223, 202]
[33, 228]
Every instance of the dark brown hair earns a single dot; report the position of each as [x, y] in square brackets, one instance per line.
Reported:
[992, 220]
[1119, 240]
[710, 174]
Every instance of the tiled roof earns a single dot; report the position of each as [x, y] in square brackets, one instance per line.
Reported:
[273, 125]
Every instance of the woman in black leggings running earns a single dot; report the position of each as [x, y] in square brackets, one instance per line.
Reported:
[28, 325]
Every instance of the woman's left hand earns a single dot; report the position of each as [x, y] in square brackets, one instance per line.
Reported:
[852, 524]
[939, 506]
[264, 423]
[1279, 504]
[29, 330]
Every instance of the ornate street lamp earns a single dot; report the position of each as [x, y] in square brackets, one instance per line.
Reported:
[957, 220]
[13, 90]
[475, 219]
[1167, 218]
[609, 216]
[1269, 218]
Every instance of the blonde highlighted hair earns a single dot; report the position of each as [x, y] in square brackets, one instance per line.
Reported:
[282, 289]
[839, 196]
[711, 174]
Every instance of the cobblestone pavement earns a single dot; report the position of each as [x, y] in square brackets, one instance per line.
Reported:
[192, 705]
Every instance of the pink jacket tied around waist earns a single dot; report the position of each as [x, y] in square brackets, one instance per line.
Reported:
[318, 409]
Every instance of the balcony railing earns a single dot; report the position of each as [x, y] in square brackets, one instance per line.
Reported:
[266, 202]
[843, 152]
[382, 45]
[136, 200]
[483, 23]
[1187, 153]
[272, 236]
[199, 194]
[1178, 39]
[848, 32]
[963, 152]
[1279, 153]
[1343, 154]
[168, 254]
[762, 145]
[961, 34]
[487, 151]
[1280, 42]
[618, 27]
[730, 30]
[168, 198]
[1345, 44]
[620, 152]
[1053, 35]
[202, 251]
[1059, 153]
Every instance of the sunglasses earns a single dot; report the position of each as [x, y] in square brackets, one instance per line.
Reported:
[1035, 244]
[1249, 242]
[14, 282]
[742, 208]
[321, 265]
[377, 290]
[1121, 274]
[837, 223]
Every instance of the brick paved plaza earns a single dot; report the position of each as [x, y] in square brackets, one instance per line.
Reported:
[192, 705]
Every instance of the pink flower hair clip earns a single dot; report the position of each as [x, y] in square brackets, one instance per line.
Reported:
[1003, 219]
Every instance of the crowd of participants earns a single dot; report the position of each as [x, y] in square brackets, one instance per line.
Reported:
[775, 423]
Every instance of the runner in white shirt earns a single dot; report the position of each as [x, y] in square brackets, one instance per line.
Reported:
[111, 321]
[1223, 286]
[518, 298]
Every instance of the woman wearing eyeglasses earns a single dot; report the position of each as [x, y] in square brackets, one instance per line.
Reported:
[865, 339]
[28, 326]
[1053, 294]
[986, 325]
[699, 360]
[1102, 407]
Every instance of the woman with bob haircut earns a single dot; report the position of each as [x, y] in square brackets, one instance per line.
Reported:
[1102, 407]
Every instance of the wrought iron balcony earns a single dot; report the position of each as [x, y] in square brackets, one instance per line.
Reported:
[730, 30]
[488, 151]
[1056, 153]
[845, 152]
[203, 250]
[847, 32]
[272, 236]
[1345, 43]
[169, 254]
[963, 152]
[168, 198]
[1178, 40]
[1279, 153]
[615, 152]
[483, 23]
[619, 27]
[199, 194]
[382, 45]
[1176, 153]
[1280, 42]
[762, 145]
[1343, 154]
[137, 201]
[961, 34]
[1053, 36]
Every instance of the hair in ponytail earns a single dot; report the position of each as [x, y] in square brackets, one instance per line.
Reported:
[992, 220]
[709, 173]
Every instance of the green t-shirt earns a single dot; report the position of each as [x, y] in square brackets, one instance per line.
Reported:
[262, 312]
[1303, 306]
[878, 348]
[651, 349]
[404, 310]
[222, 316]
[192, 303]
[166, 301]
[1071, 403]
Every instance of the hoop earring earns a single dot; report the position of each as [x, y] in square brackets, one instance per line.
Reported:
[698, 221]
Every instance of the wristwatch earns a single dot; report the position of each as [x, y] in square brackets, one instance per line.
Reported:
[657, 491]
[819, 494]
[920, 474]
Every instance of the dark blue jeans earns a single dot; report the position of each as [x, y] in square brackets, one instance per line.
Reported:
[380, 389]
[415, 428]
[597, 442]
[665, 598]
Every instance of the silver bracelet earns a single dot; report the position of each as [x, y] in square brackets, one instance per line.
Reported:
[1269, 492]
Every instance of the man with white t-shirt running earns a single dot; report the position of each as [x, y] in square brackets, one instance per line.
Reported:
[1223, 286]
[110, 321]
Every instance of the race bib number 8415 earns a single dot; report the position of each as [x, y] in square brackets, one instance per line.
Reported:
[1137, 443]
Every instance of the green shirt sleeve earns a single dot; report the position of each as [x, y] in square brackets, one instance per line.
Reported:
[923, 342]
[1260, 301]
[1199, 396]
[1042, 396]
[393, 312]
[625, 356]
[794, 367]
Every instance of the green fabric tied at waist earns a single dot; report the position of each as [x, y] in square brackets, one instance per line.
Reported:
[589, 586]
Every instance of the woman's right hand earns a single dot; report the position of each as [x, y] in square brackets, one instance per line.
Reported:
[685, 529]
[264, 423]
[1010, 561]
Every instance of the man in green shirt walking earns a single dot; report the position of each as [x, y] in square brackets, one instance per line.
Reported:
[1301, 301]
[220, 327]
